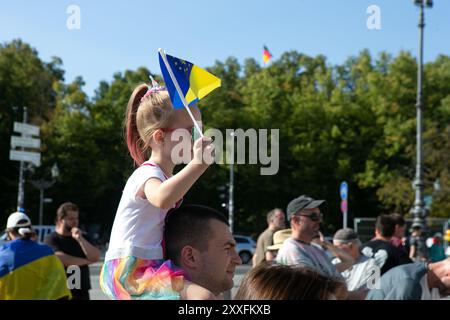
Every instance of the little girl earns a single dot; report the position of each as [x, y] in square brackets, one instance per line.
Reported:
[134, 265]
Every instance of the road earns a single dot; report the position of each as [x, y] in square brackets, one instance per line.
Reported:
[97, 294]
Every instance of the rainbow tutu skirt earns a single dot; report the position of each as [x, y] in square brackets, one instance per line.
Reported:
[134, 278]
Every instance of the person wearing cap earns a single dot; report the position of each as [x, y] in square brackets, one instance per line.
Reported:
[362, 271]
[278, 239]
[29, 270]
[414, 281]
[385, 254]
[275, 221]
[304, 214]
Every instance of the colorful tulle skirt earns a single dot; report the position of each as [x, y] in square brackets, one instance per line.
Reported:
[133, 278]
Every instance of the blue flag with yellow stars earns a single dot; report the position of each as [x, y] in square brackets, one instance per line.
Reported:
[194, 82]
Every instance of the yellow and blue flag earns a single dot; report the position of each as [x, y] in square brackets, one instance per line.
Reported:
[31, 271]
[194, 82]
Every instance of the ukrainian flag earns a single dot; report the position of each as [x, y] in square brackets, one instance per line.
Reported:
[30, 271]
[195, 83]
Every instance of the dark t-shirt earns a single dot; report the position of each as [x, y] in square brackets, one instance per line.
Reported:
[421, 248]
[385, 254]
[70, 246]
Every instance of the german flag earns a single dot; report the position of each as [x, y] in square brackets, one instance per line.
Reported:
[266, 55]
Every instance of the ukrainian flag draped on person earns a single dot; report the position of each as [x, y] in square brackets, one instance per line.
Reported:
[31, 271]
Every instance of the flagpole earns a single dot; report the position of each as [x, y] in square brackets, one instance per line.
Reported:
[180, 93]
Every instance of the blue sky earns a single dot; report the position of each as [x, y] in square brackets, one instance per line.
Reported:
[118, 35]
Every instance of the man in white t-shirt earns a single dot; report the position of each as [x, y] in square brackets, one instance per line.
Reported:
[364, 269]
[304, 214]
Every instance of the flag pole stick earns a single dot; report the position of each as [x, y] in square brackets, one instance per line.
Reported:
[180, 93]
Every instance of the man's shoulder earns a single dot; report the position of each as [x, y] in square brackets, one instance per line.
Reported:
[266, 234]
[379, 244]
[51, 237]
[291, 245]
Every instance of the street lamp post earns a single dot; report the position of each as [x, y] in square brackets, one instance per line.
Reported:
[42, 185]
[418, 210]
[231, 189]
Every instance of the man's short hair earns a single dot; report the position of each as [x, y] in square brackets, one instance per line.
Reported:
[385, 225]
[189, 226]
[271, 214]
[64, 209]
[398, 219]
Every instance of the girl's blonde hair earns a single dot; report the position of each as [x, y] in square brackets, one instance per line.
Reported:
[144, 116]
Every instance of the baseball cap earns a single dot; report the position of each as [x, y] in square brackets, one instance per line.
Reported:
[345, 235]
[18, 220]
[302, 202]
[278, 239]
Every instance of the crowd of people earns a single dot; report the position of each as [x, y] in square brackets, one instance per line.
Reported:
[390, 266]
[160, 249]
[56, 269]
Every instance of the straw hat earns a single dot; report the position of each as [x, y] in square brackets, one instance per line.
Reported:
[278, 239]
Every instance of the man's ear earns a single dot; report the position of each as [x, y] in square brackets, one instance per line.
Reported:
[189, 257]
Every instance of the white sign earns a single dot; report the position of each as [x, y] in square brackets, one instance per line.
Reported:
[26, 156]
[25, 142]
[26, 128]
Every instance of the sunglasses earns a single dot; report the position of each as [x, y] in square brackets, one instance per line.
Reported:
[314, 216]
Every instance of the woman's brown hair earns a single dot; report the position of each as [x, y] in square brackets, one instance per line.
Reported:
[270, 281]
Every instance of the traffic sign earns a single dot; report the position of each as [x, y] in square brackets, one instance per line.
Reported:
[25, 142]
[26, 156]
[343, 190]
[344, 206]
[26, 128]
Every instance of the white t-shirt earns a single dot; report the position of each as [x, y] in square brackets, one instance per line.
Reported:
[359, 274]
[138, 226]
[293, 252]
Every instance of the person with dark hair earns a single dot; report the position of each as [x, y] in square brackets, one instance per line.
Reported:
[29, 270]
[269, 281]
[418, 251]
[399, 232]
[385, 254]
[275, 221]
[72, 247]
[198, 239]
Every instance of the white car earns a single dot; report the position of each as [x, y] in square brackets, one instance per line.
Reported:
[245, 247]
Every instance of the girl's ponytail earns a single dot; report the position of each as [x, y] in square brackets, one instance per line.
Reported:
[136, 146]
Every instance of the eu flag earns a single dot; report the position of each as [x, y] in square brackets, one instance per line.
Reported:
[194, 82]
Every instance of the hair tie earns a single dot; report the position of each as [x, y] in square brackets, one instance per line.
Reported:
[155, 87]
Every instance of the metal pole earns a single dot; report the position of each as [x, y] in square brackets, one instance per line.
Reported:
[345, 220]
[418, 209]
[21, 193]
[41, 206]
[231, 189]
